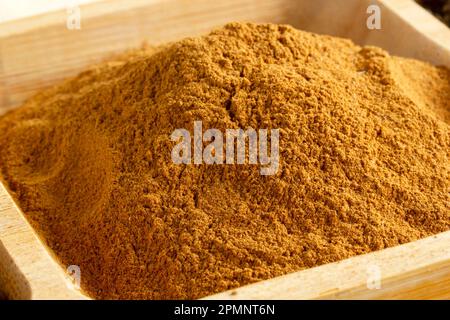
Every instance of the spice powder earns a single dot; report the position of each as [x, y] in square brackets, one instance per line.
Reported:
[364, 161]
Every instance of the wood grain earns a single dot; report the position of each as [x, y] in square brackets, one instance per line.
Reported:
[40, 51]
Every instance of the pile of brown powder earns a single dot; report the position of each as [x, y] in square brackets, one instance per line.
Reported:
[364, 161]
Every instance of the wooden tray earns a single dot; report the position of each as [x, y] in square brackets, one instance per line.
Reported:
[40, 51]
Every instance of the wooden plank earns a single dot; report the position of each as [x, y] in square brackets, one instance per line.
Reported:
[28, 8]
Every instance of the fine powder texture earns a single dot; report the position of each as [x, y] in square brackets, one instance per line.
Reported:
[364, 161]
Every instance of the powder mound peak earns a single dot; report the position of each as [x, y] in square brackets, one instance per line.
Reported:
[364, 161]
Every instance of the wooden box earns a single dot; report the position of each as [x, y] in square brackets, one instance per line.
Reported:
[40, 51]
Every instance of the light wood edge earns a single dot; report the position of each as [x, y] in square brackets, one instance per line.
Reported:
[27, 270]
[432, 37]
[416, 270]
[58, 17]
[88, 11]
[421, 20]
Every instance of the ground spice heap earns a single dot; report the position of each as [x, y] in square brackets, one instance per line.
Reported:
[364, 161]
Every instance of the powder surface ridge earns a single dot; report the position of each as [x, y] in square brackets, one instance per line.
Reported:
[364, 161]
